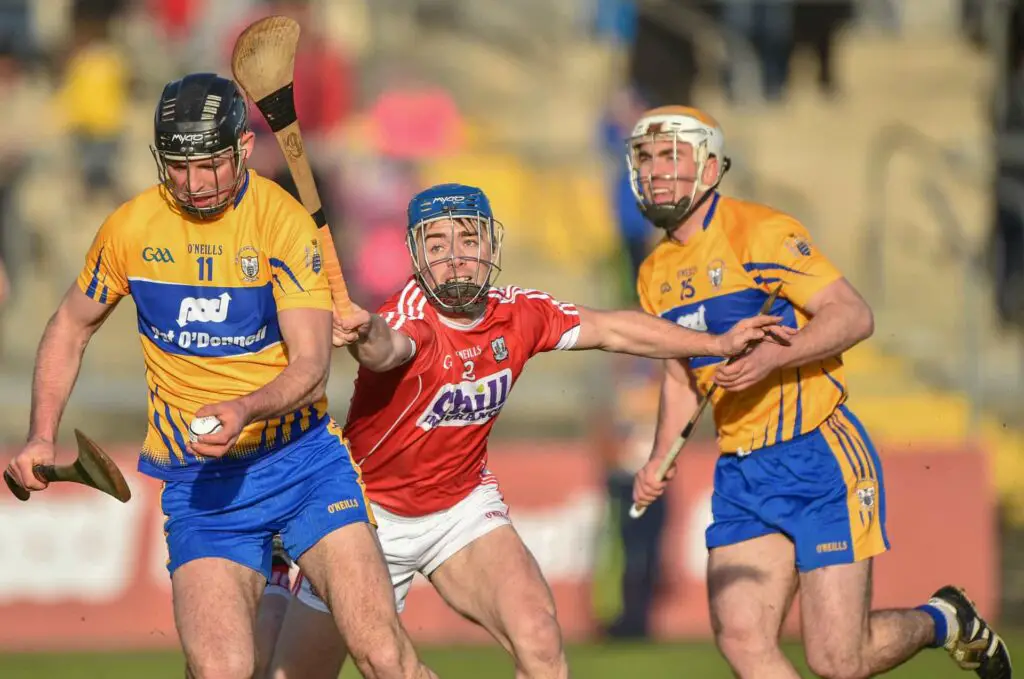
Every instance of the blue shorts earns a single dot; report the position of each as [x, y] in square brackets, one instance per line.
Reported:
[307, 490]
[823, 490]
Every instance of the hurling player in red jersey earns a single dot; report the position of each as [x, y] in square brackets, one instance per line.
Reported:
[437, 363]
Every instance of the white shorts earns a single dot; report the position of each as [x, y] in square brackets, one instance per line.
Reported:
[420, 544]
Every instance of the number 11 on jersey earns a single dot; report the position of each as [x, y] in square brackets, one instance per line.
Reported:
[205, 268]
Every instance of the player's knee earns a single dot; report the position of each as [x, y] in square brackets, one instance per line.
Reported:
[832, 663]
[537, 641]
[225, 664]
[745, 641]
[384, 654]
[382, 661]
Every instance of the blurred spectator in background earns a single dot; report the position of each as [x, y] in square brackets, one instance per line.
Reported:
[615, 21]
[636, 233]
[16, 30]
[22, 115]
[410, 121]
[376, 191]
[817, 25]
[624, 438]
[774, 29]
[972, 22]
[195, 30]
[663, 58]
[176, 19]
[93, 97]
[767, 25]
[1006, 241]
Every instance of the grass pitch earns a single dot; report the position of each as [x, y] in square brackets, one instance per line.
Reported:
[595, 661]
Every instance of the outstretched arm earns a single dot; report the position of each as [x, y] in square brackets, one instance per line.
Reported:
[371, 341]
[59, 358]
[377, 346]
[641, 334]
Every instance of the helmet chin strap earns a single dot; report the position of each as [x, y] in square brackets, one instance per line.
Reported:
[669, 217]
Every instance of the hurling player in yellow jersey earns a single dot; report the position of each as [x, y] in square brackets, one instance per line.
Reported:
[799, 497]
[234, 316]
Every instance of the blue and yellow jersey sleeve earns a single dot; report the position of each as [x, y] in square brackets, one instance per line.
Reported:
[296, 261]
[103, 277]
[780, 250]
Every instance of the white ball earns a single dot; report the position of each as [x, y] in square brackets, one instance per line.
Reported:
[201, 426]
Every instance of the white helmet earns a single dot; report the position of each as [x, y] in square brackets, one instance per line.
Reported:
[680, 125]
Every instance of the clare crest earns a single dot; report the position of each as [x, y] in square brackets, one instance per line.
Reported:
[715, 273]
[248, 261]
[866, 495]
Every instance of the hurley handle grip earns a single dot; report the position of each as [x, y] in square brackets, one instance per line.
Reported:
[43, 472]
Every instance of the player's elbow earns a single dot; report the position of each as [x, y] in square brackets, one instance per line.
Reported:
[862, 322]
[315, 371]
[66, 328]
[602, 330]
[378, 364]
[319, 390]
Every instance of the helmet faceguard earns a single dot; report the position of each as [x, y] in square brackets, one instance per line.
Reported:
[200, 121]
[673, 131]
[455, 245]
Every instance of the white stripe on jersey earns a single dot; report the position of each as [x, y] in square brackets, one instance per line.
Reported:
[409, 308]
[568, 339]
[511, 293]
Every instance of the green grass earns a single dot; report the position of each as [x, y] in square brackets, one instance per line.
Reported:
[605, 661]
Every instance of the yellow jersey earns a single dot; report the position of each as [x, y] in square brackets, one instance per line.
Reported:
[207, 295]
[723, 275]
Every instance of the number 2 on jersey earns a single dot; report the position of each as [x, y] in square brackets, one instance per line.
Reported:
[205, 268]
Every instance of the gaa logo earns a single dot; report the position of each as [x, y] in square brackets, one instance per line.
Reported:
[159, 255]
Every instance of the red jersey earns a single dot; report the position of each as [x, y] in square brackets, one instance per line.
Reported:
[420, 431]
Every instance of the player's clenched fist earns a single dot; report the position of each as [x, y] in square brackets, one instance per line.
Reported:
[646, 486]
[233, 417]
[749, 330]
[352, 328]
[35, 452]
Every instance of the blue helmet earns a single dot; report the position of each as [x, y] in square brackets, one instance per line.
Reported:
[455, 244]
[448, 200]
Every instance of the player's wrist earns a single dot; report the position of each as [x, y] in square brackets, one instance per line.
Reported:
[48, 437]
[657, 456]
[247, 409]
[715, 345]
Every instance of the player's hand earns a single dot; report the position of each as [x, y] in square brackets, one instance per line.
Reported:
[751, 368]
[35, 452]
[352, 328]
[646, 486]
[749, 330]
[233, 417]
